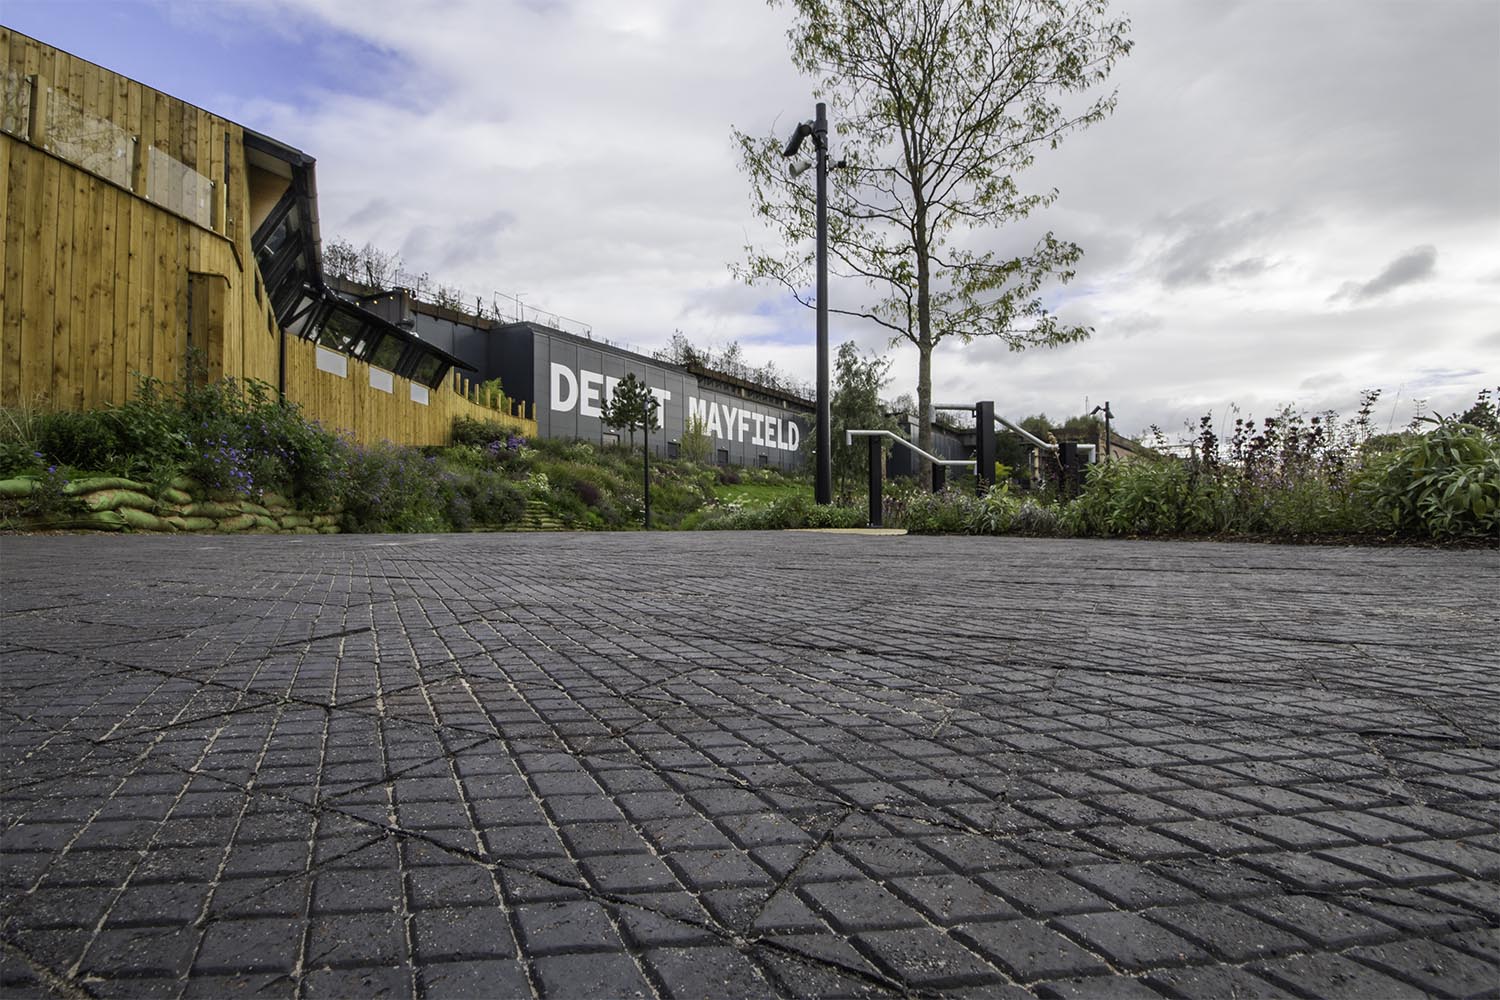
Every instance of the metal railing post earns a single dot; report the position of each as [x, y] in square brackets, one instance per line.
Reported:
[877, 504]
[984, 445]
[1072, 472]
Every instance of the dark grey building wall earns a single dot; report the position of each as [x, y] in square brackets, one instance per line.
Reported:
[945, 444]
[459, 339]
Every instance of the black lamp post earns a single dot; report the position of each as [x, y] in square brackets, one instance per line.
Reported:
[1107, 415]
[818, 129]
[652, 404]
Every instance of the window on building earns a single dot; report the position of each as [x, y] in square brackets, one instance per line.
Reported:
[343, 331]
[302, 320]
[428, 369]
[723, 456]
[387, 352]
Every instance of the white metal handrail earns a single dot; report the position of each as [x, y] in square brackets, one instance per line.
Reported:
[849, 437]
[1003, 422]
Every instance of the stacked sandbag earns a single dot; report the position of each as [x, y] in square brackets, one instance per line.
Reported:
[113, 503]
[19, 488]
[288, 518]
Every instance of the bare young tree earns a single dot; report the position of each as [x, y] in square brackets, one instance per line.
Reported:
[937, 106]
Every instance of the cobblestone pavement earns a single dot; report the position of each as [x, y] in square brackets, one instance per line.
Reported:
[686, 765]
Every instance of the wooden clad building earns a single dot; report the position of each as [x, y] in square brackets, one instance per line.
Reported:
[139, 228]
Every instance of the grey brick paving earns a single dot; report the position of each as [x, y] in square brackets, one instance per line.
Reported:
[746, 765]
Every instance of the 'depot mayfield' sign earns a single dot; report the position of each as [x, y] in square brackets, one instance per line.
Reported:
[738, 421]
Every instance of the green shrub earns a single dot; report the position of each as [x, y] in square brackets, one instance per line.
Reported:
[492, 394]
[672, 500]
[479, 433]
[787, 512]
[88, 440]
[828, 515]
[46, 500]
[390, 488]
[494, 502]
[948, 512]
[1158, 497]
[1040, 519]
[20, 452]
[996, 511]
[232, 437]
[1443, 484]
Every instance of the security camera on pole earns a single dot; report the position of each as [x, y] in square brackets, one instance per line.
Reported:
[818, 129]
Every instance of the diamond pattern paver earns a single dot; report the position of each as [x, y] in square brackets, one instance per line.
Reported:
[677, 765]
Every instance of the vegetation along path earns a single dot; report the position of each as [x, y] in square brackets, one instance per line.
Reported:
[745, 764]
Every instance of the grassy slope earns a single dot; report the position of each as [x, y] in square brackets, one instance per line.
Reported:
[758, 494]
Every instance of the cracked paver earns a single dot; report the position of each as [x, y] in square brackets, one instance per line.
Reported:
[746, 765]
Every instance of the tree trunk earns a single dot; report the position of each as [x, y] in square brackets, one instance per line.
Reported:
[924, 344]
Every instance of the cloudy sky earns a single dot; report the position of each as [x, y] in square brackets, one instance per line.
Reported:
[1293, 202]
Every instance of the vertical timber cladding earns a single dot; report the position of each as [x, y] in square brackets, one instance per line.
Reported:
[570, 377]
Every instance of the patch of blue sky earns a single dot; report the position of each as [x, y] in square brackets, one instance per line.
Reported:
[778, 304]
[211, 55]
[791, 321]
[791, 334]
[1058, 296]
[1435, 378]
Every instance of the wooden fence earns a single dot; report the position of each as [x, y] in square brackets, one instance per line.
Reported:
[353, 402]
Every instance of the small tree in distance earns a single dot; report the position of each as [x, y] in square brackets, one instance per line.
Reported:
[695, 444]
[631, 405]
[855, 406]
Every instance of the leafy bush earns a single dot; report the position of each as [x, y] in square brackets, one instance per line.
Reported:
[787, 512]
[1444, 484]
[390, 488]
[828, 515]
[996, 511]
[493, 501]
[468, 431]
[232, 437]
[19, 449]
[492, 394]
[948, 512]
[88, 440]
[1290, 475]
[1040, 520]
[672, 500]
[1145, 497]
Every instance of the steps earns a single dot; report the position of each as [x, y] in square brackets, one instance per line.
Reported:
[538, 518]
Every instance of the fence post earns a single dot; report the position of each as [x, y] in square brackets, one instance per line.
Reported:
[877, 506]
[1072, 469]
[984, 455]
